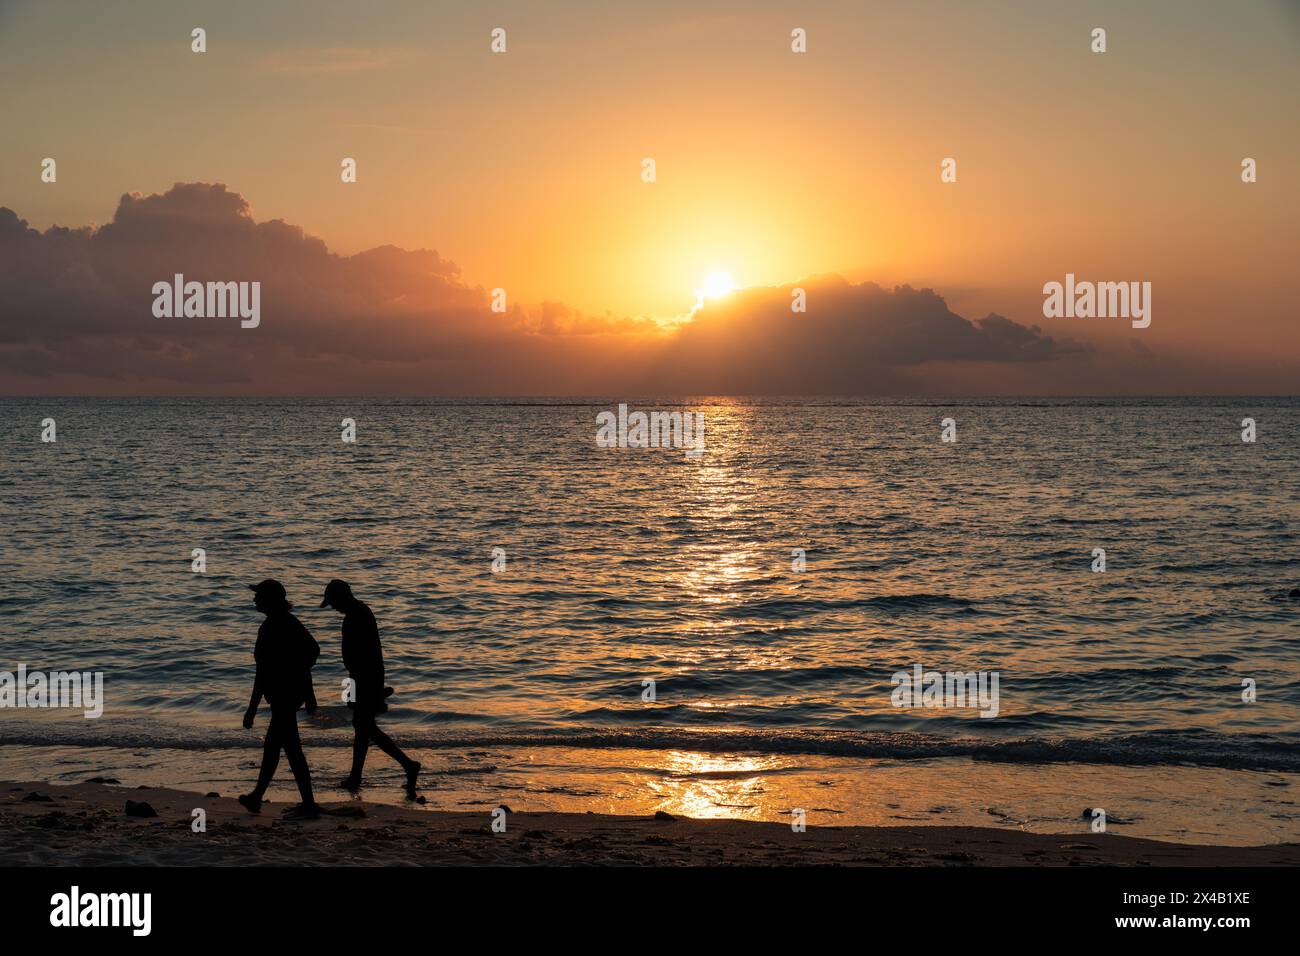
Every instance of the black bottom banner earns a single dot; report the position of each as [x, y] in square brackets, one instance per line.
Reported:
[270, 905]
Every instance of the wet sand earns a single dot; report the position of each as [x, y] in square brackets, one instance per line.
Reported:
[86, 825]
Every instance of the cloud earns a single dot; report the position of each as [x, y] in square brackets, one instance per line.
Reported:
[851, 339]
[76, 311]
[76, 317]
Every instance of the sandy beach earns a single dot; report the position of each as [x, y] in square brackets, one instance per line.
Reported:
[87, 825]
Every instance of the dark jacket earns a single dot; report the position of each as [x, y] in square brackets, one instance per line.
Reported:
[285, 653]
[363, 657]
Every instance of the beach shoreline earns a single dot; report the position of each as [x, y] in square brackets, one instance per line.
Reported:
[86, 824]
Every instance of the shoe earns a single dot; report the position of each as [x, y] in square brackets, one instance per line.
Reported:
[251, 803]
[303, 811]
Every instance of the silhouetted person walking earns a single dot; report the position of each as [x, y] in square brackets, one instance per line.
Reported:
[364, 659]
[285, 653]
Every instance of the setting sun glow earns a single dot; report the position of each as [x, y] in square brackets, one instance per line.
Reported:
[716, 285]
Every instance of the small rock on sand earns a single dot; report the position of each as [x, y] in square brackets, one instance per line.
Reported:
[140, 809]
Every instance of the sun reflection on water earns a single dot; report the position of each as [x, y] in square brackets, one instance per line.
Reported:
[713, 786]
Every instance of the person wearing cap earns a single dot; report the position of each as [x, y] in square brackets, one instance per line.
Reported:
[285, 653]
[364, 658]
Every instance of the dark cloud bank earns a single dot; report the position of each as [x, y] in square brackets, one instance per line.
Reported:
[76, 317]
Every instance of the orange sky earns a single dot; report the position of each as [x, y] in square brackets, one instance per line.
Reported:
[524, 168]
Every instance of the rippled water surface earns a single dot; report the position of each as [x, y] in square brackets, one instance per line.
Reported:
[624, 566]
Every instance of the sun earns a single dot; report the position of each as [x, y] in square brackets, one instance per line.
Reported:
[716, 285]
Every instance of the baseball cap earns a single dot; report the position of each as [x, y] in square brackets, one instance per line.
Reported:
[270, 588]
[336, 591]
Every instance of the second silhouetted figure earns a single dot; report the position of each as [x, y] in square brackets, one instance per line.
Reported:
[284, 654]
[364, 658]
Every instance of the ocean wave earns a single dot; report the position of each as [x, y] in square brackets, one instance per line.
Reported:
[1258, 752]
[784, 607]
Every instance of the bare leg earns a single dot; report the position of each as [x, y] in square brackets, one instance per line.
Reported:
[360, 744]
[297, 760]
[386, 744]
[363, 723]
[270, 760]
